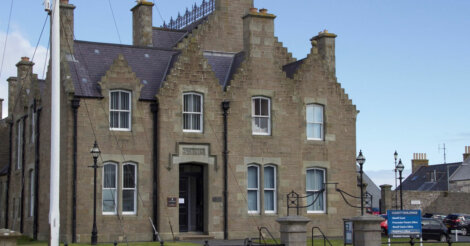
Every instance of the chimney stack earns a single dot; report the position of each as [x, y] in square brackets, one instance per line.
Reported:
[258, 34]
[67, 26]
[1, 108]
[419, 160]
[467, 153]
[325, 43]
[142, 33]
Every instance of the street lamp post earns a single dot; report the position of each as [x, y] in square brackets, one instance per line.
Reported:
[400, 168]
[395, 156]
[95, 152]
[360, 160]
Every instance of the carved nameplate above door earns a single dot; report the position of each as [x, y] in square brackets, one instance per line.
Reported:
[193, 153]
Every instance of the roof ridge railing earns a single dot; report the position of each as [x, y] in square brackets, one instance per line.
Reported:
[189, 17]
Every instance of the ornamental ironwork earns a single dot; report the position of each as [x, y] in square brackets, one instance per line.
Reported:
[191, 16]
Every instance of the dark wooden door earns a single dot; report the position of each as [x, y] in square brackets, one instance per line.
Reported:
[191, 202]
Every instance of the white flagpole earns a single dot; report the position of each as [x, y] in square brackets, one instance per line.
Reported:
[54, 213]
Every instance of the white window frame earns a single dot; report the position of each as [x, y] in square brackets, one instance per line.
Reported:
[19, 142]
[254, 129]
[274, 189]
[31, 192]
[115, 189]
[257, 189]
[324, 192]
[315, 121]
[201, 114]
[134, 189]
[119, 110]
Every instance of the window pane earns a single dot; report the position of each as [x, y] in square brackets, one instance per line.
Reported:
[125, 100]
[253, 177]
[114, 120]
[190, 103]
[128, 201]
[196, 118]
[186, 121]
[318, 113]
[310, 131]
[310, 113]
[129, 176]
[317, 130]
[318, 205]
[124, 119]
[269, 200]
[197, 103]
[257, 106]
[269, 177]
[115, 100]
[264, 107]
[109, 196]
[109, 176]
[252, 200]
[186, 103]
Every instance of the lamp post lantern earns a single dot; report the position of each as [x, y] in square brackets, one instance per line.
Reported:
[360, 160]
[400, 168]
[395, 156]
[95, 152]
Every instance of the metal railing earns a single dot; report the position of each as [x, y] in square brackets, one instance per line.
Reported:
[325, 239]
[414, 241]
[191, 16]
[293, 200]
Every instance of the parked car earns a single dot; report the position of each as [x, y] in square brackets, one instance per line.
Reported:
[458, 222]
[434, 229]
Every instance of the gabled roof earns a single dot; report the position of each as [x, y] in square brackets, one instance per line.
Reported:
[291, 68]
[224, 64]
[92, 60]
[167, 38]
[463, 172]
[430, 178]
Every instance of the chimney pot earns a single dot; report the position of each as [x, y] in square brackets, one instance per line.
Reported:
[466, 155]
[263, 11]
[253, 10]
[64, 1]
[25, 59]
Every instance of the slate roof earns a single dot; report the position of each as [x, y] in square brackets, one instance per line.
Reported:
[167, 38]
[463, 172]
[224, 65]
[291, 68]
[92, 60]
[423, 178]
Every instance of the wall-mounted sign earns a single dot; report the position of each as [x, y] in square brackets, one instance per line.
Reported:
[415, 202]
[171, 201]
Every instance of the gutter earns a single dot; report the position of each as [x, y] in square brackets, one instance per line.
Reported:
[75, 106]
[154, 109]
[225, 108]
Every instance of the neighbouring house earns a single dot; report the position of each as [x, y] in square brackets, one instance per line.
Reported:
[441, 188]
[204, 126]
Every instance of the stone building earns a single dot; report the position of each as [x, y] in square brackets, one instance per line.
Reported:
[440, 188]
[203, 127]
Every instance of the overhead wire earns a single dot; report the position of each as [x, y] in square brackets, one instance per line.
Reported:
[6, 39]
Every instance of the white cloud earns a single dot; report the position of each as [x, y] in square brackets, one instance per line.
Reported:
[17, 46]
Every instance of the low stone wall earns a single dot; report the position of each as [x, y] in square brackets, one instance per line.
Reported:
[439, 202]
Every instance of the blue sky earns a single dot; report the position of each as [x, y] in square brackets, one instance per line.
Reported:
[405, 64]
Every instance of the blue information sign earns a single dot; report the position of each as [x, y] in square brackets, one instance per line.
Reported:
[404, 222]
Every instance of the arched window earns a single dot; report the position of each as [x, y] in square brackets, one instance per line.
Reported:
[261, 116]
[120, 110]
[109, 188]
[315, 122]
[270, 189]
[192, 112]
[129, 188]
[253, 188]
[314, 184]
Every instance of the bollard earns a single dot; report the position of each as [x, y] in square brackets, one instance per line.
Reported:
[206, 243]
[162, 243]
[66, 244]
[115, 243]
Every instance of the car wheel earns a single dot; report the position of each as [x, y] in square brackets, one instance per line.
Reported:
[443, 238]
[464, 231]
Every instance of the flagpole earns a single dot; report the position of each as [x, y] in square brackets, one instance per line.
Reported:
[54, 213]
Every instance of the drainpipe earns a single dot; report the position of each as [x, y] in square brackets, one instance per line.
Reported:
[36, 178]
[225, 108]
[75, 106]
[154, 109]
[23, 166]
[8, 177]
